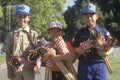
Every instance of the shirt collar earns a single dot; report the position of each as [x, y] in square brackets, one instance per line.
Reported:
[96, 27]
[27, 29]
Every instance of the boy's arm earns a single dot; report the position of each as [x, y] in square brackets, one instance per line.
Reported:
[71, 55]
[7, 49]
[79, 50]
[84, 47]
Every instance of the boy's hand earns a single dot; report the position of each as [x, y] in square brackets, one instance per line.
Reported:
[51, 52]
[56, 58]
[86, 45]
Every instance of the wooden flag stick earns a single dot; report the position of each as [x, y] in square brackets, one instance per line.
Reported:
[71, 68]
[46, 73]
[108, 65]
[65, 72]
[50, 73]
[72, 77]
[62, 70]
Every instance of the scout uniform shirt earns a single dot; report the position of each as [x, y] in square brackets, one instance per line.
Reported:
[83, 35]
[19, 39]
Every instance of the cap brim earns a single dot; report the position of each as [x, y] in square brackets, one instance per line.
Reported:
[24, 13]
[55, 28]
[52, 27]
[89, 12]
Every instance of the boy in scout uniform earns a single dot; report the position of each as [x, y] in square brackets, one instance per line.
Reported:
[18, 42]
[91, 65]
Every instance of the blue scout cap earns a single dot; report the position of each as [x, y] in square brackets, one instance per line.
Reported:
[89, 8]
[23, 9]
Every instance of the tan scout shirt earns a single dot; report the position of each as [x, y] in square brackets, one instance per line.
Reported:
[22, 42]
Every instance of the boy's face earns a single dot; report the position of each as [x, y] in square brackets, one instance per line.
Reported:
[90, 19]
[22, 20]
[55, 32]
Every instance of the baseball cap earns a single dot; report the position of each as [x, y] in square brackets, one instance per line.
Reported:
[55, 24]
[23, 9]
[89, 8]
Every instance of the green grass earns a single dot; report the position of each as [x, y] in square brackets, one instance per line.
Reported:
[115, 62]
[2, 58]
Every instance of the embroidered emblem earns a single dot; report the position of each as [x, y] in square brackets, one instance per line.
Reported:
[88, 6]
[22, 7]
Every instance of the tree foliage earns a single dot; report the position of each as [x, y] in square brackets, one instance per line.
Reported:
[42, 13]
[73, 19]
[109, 16]
[1, 12]
[7, 20]
[111, 13]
